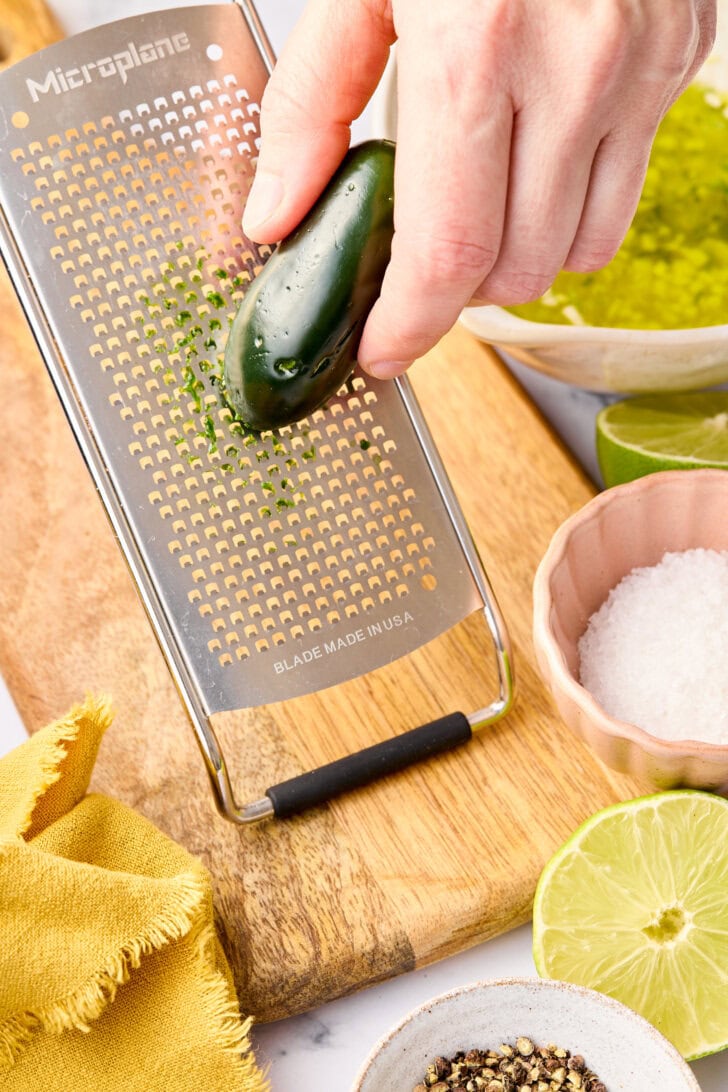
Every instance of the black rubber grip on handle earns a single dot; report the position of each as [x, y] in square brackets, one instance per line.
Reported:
[316, 787]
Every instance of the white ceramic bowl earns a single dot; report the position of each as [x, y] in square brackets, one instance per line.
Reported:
[623, 528]
[623, 1049]
[607, 358]
[599, 358]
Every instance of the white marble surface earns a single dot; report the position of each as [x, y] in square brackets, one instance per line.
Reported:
[321, 1051]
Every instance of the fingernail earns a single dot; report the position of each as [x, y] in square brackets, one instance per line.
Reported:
[264, 198]
[387, 369]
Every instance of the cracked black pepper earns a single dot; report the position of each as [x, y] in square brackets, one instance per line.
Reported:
[522, 1067]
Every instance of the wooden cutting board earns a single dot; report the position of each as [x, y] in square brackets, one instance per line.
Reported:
[391, 877]
[433, 860]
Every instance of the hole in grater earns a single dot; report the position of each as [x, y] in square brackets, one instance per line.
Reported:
[278, 535]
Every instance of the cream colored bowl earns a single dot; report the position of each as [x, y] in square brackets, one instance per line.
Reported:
[599, 358]
[622, 1048]
[622, 528]
[607, 358]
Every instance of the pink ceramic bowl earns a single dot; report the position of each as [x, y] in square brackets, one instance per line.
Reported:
[622, 528]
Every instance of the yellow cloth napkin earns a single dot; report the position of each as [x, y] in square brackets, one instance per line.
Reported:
[111, 974]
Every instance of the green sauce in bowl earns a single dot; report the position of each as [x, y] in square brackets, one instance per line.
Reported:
[672, 269]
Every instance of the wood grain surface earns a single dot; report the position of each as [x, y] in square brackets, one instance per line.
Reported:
[426, 863]
[393, 876]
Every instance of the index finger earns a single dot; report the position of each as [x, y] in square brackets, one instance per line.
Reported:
[326, 74]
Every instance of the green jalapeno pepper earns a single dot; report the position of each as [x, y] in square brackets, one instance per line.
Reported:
[295, 337]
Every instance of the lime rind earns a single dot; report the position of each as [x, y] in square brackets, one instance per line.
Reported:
[598, 920]
[641, 435]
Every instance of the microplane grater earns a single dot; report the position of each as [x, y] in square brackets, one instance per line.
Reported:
[270, 565]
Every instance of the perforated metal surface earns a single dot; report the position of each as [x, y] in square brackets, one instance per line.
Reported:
[276, 564]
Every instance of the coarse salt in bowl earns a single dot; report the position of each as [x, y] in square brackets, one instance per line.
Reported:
[625, 528]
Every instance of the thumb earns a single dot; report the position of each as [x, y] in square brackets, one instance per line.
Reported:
[324, 78]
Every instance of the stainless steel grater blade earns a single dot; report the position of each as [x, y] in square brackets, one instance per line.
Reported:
[270, 565]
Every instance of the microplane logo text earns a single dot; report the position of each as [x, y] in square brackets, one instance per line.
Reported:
[118, 64]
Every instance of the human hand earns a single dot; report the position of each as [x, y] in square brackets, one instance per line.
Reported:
[524, 132]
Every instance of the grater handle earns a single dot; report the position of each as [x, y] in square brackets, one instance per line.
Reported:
[317, 786]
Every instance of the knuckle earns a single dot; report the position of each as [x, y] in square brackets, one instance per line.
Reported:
[451, 259]
[277, 103]
[590, 257]
[627, 35]
[380, 11]
[680, 24]
[616, 30]
[611, 45]
[417, 319]
[284, 103]
[514, 286]
[409, 332]
[676, 41]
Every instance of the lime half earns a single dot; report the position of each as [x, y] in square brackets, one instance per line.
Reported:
[662, 432]
[635, 905]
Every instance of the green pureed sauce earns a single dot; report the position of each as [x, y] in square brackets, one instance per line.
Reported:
[672, 269]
